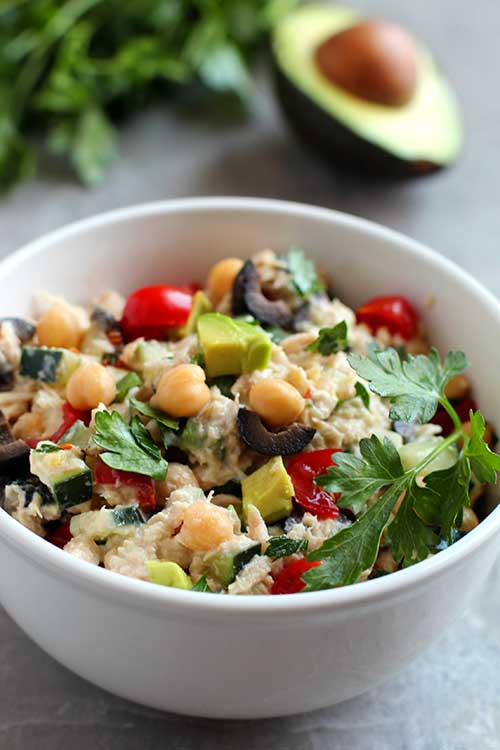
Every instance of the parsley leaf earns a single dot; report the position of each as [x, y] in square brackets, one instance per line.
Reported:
[484, 462]
[357, 478]
[409, 537]
[128, 447]
[130, 380]
[330, 340]
[447, 492]
[414, 386]
[149, 411]
[282, 546]
[353, 550]
[363, 394]
[304, 279]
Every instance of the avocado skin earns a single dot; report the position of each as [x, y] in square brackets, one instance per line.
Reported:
[320, 132]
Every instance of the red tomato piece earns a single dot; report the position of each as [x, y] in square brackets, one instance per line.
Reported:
[70, 416]
[60, 535]
[289, 581]
[143, 487]
[152, 310]
[303, 470]
[394, 313]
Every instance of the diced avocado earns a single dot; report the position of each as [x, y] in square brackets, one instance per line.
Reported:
[168, 574]
[226, 566]
[99, 524]
[414, 453]
[63, 472]
[50, 365]
[270, 489]
[78, 434]
[201, 305]
[232, 347]
[152, 351]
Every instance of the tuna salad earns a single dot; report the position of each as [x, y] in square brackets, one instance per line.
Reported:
[255, 436]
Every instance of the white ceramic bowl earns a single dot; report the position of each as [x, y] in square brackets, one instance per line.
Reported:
[244, 657]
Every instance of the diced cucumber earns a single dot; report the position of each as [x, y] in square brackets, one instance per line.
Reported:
[99, 524]
[168, 573]
[152, 351]
[226, 565]
[414, 453]
[50, 365]
[63, 472]
[78, 434]
[193, 436]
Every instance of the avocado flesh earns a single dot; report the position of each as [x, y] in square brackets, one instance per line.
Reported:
[232, 347]
[421, 136]
[270, 489]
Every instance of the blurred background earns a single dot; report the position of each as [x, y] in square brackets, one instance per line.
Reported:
[180, 140]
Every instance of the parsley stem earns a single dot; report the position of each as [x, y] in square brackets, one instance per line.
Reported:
[451, 412]
[458, 433]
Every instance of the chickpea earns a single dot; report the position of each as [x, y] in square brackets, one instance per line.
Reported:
[59, 326]
[205, 527]
[469, 520]
[29, 426]
[90, 385]
[276, 401]
[221, 277]
[457, 387]
[182, 391]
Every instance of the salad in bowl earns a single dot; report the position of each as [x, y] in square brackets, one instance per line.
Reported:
[253, 436]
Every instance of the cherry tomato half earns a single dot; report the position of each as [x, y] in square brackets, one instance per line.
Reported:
[60, 535]
[143, 487]
[289, 581]
[152, 310]
[394, 313]
[303, 470]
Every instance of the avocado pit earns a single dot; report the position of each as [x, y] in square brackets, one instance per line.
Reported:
[373, 60]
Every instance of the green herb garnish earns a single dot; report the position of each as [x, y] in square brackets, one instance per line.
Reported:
[149, 411]
[123, 386]
[330, 340]
[426, 513]
[282, 546]
[363, 394]
[224, 383]
[304, 279]
[47, 447]
[128, 447]
[68, 66]
[201, 584]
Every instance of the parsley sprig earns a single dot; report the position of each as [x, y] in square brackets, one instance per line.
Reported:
[128, 447]
[422, 513]
[330, 340]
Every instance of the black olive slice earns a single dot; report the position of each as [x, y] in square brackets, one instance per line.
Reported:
[14, 454]
[24, 329]
[256, 435]
[248, 298]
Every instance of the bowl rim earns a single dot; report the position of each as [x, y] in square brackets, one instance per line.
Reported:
[146, 595]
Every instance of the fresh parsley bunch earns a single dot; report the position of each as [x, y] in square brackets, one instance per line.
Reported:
[423, 513]
[68, 66]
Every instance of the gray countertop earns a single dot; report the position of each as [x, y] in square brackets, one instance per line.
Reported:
[448, 698]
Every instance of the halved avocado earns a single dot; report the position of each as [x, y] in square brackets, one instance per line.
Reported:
[419, 137]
